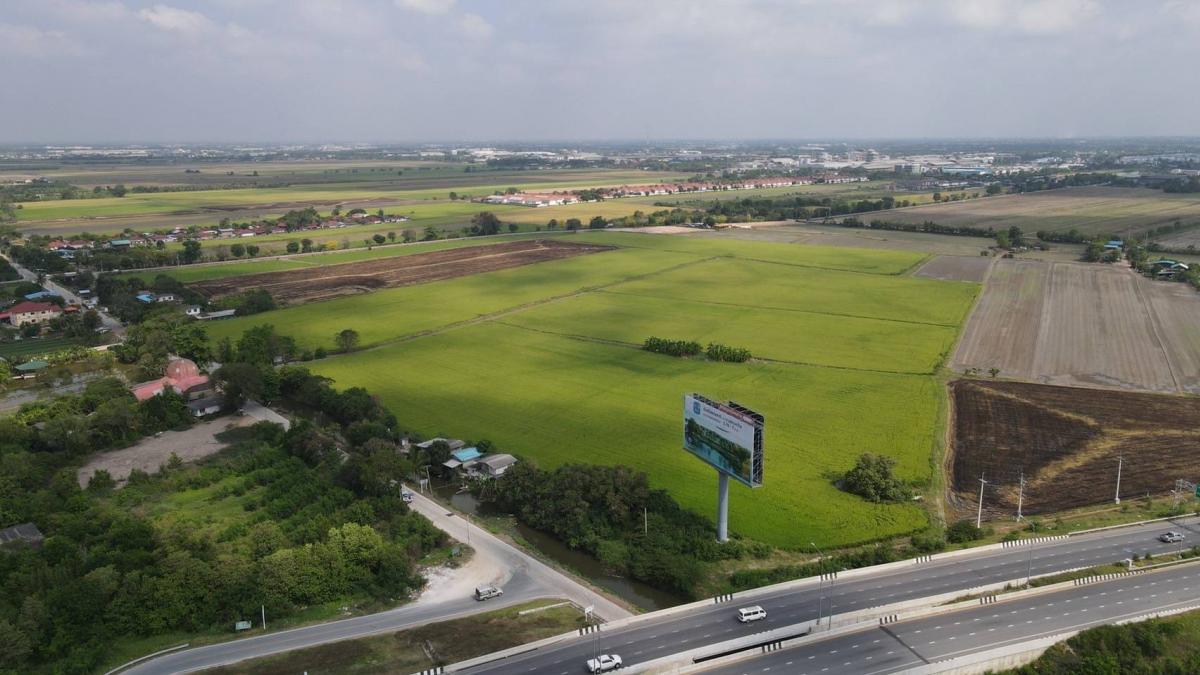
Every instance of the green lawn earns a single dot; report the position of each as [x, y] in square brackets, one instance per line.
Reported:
[550, 368]
[844, 342]
[557, 400]
[395, 312]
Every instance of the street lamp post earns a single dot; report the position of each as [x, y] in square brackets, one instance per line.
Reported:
[820, 585]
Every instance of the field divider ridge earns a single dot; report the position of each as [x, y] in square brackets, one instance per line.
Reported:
[781, 309]
[492, 316]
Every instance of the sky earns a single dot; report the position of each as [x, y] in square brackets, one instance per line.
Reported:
[127, 71]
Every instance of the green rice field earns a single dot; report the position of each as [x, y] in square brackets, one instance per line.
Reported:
[544, 361]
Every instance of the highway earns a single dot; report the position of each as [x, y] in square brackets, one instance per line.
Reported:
[710, 624]
[899, 646]
[522, 577]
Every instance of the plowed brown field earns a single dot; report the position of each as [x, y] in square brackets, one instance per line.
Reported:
[322, 283]
[1067, 442]
[1085, 324]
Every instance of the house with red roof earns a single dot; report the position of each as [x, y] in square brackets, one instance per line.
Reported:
[182, 376]
[31, 312]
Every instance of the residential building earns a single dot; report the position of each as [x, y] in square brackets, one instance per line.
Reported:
[183, 377]
[25, 533]
[494, 466]
[27, 312]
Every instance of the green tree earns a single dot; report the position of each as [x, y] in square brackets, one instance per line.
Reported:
[379, 239]
[252, 250]
[485, 223]
[237, 250]
[574, 224]
[293, 247]
[872, 478]
[191, 252]
[347, 340]
[391, 237]
[306, 245]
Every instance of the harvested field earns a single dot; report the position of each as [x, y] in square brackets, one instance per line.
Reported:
[322, 283]
[1067, 442]
[1091, 210]
[1085, 325]
[956, 268]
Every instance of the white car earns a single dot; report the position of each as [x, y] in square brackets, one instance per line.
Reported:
[604, 663]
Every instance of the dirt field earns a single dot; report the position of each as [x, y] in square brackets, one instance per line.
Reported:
[322, 283]
[1077, 324]
[190, 445]
[956, 268]
[1067, 442]
[1093, 210]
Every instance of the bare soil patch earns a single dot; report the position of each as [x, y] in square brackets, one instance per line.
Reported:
[956, 268]
[148, 455]
[1077, 324]
[329, 281]
[1067, 441]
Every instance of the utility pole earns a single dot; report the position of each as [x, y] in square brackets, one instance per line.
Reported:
[264, 616]
[1120, 462]
[820, 585]
[1021, 497]
[979, 512]
[645, 522]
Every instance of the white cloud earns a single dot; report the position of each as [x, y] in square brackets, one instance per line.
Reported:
[1054, 16]
[979, 13]
[30, 41]
[175, 19]
[475, 26]
[426, 6]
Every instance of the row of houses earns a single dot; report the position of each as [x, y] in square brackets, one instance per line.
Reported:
[470, 462]
[67, 248]
[541, 199]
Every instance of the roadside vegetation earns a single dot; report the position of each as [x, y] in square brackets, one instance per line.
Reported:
[423, 647]
[1155, 647]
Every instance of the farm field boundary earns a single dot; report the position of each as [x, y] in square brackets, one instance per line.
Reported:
[326, 281]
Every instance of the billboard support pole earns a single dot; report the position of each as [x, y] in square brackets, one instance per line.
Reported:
[722, 507]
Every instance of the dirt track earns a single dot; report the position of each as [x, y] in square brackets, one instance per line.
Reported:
[956, 268]
[1067, 441]
[329, 281]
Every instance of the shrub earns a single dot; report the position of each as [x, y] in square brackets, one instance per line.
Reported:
[719, 352]
[671, 347]
[872, 478]
[962, 532]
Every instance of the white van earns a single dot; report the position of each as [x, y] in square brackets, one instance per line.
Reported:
[748, 614]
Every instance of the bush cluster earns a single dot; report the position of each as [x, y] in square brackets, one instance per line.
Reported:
[671, 347]
[719, 352]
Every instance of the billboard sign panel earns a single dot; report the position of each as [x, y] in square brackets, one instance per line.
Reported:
[726, 436]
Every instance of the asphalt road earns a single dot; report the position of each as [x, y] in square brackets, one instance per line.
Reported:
[115, 326]
[522, 577]
[908, 644]
[715, 623]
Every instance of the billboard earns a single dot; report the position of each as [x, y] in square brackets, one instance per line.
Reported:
[726, 436]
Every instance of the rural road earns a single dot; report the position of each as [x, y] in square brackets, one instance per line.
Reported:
[448, 596]
[918, 642]
[117, 328]
[713, 623]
